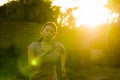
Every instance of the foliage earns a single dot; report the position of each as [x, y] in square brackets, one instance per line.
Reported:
[114, 5]
[30, 10]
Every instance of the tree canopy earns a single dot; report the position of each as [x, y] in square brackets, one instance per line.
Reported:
[30, 10]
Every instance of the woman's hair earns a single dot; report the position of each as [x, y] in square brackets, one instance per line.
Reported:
[52, 24]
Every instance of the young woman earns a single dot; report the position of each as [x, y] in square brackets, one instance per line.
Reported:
[43, 54]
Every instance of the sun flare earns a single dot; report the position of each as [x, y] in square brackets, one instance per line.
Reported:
[87, 12]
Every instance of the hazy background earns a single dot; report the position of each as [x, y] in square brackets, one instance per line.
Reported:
[90, 57]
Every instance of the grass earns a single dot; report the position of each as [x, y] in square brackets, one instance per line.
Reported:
[96, 73]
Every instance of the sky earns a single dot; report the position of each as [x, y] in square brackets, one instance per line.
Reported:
[2, 2]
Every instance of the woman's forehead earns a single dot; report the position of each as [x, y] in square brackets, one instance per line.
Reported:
[49, 27]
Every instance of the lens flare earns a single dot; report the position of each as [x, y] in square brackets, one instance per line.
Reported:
[86, 12]
[25, 68]
[33, 62]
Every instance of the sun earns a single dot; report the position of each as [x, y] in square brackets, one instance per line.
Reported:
[88, 12]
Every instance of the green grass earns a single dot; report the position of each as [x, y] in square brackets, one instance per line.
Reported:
[96, 73]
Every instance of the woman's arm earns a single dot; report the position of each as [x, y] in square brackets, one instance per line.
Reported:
[30, 56]
[35, 60]
[63, 60]
[63, 55]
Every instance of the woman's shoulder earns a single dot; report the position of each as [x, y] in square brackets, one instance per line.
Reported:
[33, 44]
[58, 44]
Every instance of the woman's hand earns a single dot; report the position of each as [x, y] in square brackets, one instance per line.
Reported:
[47, 49]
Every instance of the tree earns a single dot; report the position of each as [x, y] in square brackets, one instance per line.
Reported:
[30, 10]
[114, 5]
[113, 36]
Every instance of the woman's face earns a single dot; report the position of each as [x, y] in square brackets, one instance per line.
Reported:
[48, 33]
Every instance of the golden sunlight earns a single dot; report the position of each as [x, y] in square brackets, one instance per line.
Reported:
[87, 12]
